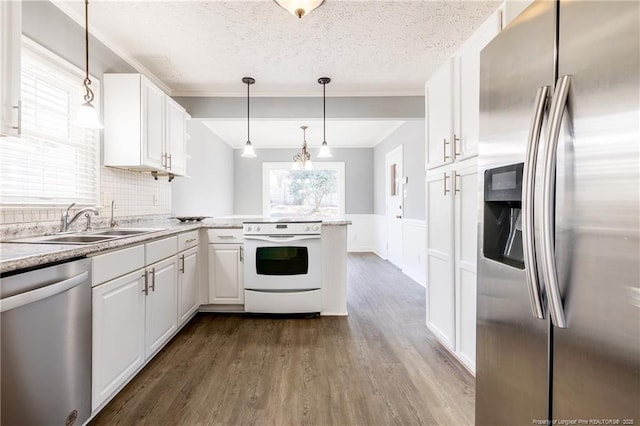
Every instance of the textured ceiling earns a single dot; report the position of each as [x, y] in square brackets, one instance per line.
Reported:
[366, 47]
[287, 133]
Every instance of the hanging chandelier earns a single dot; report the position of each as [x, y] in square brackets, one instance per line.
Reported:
[248, 151]
[302, 160]
[87, 115]
[299, 8]
[325, 152]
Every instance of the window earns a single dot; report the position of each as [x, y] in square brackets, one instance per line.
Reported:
[303, 193]
[53, 163]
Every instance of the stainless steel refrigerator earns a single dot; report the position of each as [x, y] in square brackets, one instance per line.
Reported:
[558, 334]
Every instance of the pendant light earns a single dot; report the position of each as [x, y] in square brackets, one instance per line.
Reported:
[302, 160]
[299, 8]
[248, 148]
[325, 152]
[87, 115]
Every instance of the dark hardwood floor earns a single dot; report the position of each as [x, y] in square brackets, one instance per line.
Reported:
[378, 366]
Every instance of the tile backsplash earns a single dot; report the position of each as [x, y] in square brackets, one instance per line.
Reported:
[135, 194]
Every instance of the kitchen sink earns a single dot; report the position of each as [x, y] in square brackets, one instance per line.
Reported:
[95, 236]
[122, 232]
[68, 239]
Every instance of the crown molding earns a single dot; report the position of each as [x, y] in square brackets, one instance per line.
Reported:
[315, 94]
[118, 50]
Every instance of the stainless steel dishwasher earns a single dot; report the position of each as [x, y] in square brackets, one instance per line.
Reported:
[46, 345]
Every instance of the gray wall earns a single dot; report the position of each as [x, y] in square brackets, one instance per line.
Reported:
[358, 178]
[369, 107]
[45, 24]
[411, 136]
[209, 190]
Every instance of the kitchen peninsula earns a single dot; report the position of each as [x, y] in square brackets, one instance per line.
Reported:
[15, 257]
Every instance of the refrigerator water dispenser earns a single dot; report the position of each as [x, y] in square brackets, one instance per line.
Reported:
[502, 215]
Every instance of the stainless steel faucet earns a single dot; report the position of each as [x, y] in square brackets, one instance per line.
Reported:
[65, 223]
[112, 222]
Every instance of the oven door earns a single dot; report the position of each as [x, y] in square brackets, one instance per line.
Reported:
[283, 262]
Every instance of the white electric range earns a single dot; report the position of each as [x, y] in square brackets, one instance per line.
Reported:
[282, 268]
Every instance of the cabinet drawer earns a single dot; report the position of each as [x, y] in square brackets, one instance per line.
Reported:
[227, 235]
[187, 240]
[161, 249]
[116, 263]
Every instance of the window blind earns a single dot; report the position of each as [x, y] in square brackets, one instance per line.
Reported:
[53, 163]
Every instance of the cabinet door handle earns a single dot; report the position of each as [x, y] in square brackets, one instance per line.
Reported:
[145, 290]
[445, 157]
[170, 162]
[445, 184]
[19, 126]
[182, 263]
[456, 178]
[241, 254]
[456, 145]
[190, 240]
[153, 279]
[225, 237]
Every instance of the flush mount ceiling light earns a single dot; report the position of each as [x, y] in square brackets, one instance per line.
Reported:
[299, 8]
[302, 160]
[248, 148]
[325, 152]
[87, 115]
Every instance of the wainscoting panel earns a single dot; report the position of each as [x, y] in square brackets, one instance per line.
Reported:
[414, 248]
[360, 234]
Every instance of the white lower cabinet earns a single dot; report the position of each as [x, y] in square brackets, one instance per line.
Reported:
[452, 208]
[188, 285]
[118, 333]
[141, 295]
[226, 274]
[161, 310]
[439, 262]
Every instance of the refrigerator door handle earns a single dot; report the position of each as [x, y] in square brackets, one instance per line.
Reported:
[528, 203]
[550, 272]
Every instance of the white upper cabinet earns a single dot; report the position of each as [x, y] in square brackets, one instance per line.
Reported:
[144, 128]
[439, 116]
[153, 125]
[452, 97]
[467, 110]
[10, 47]
[175, 139]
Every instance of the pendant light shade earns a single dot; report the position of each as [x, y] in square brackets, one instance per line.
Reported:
[325, 152]
[248, 151]
[299, 8]
[87, 115]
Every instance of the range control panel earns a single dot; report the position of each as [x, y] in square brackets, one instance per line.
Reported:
[282, 228]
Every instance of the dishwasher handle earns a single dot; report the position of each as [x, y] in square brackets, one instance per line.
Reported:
[42, 292]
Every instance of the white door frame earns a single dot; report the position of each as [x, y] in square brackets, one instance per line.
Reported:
[391, 220]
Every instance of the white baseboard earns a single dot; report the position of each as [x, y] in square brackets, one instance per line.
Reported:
[418, 277]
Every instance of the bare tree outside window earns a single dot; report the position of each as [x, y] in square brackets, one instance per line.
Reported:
[304, 193]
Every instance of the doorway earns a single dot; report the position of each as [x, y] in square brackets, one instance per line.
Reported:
[394, 198]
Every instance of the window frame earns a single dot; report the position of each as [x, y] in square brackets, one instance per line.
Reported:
[65, 66]
[338, 166]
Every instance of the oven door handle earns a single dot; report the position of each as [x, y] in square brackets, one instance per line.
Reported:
[281, 238]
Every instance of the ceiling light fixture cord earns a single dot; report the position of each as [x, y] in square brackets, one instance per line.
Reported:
[325, 152]
[248, 151]
[324, 112]
[248, 134]
[88, 97]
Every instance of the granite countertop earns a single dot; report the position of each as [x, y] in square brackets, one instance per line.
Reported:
[16, 256]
